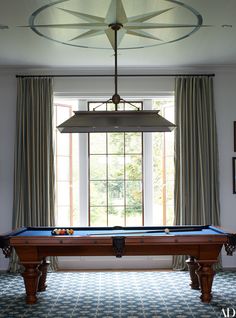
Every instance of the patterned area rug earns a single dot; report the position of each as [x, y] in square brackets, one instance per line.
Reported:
[118, 294]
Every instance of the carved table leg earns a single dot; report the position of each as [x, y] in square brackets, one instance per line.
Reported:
[43, 267]
[193, 266]
[31, 279]
[206, 275]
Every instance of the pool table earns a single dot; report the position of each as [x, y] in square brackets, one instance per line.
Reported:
[202, 243]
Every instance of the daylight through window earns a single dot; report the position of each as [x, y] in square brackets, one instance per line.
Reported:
[108, 179]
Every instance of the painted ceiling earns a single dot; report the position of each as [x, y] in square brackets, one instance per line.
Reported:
[153, 33]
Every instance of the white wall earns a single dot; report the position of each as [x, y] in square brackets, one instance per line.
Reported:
[7, 137]
[104, 87]
[225, 103]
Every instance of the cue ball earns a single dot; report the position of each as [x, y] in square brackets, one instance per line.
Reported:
[167, 231]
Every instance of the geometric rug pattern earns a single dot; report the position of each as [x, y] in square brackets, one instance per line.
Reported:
[121, 294]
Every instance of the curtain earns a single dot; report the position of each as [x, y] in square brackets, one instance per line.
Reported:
[196, 156]
[33, 202]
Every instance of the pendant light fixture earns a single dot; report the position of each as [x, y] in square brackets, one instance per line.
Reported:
[118, 120]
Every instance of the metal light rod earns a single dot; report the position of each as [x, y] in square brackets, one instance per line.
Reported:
[116, 97]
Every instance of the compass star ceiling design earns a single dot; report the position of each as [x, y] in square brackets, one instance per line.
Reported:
[63, 33]
[147, 27]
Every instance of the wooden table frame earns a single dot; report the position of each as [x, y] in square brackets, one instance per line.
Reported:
[202, 249]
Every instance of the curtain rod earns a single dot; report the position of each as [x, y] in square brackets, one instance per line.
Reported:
[112, 75]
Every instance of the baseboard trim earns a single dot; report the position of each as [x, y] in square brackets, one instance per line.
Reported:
[229, 269]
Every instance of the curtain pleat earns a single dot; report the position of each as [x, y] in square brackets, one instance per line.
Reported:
[196, 156]
[33, 203]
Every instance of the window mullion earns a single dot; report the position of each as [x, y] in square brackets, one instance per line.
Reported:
[147, 172]
[83, 191]
[107, 188]
[125, 183]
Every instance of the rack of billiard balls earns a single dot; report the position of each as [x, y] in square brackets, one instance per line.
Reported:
[62, 232]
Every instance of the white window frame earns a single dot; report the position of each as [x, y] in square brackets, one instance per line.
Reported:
[147, 172]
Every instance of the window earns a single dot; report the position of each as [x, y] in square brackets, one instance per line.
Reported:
[115, 176]
[108, 179]
[66, 168]
[163, 166]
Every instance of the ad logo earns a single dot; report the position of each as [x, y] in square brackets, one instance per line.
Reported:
[228, 312]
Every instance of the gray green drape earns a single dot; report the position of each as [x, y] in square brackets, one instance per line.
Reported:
[196, 155]
[33, 203]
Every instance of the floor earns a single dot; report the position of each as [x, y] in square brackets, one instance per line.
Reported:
[123, 294]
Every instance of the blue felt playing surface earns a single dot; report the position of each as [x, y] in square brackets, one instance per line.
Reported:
[134, 232]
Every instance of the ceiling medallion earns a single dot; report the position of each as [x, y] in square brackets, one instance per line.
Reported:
[69, 26]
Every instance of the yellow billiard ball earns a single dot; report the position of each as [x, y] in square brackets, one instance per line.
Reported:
[167, 231]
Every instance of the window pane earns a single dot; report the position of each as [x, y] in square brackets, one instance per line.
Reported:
[132, 107]
[115, 143]
[115, 193]
[63, 113]
[115, 167]
[169, 215]
[134, 193]
[121, 106]
[169, 113]
[98, 167]
[158, 197]
[163, 167]
[115, 216]
[63, 144]
[133, 142]
[98, 194]
[170, 168]
[133, 167]
[169, 143]
[63, 193]
[63, 216]
[158, 214]
[100, 106]
[134, 216]
[98, 216]
[97, 143]
[158, 143]
[110, 106]
[75, 215]
[63, 168]
[169, 193]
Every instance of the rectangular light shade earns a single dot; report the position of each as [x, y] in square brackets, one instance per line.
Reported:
[115, 121]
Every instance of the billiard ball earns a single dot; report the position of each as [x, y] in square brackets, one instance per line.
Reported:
[167, 231]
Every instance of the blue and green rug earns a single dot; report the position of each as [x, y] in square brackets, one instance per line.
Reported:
[147, 294]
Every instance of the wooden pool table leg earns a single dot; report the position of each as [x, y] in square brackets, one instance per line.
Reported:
[43, 267]
[31, 279]
[193, 266]
[206, 274]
